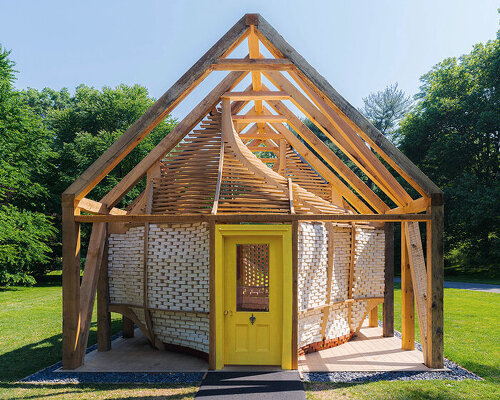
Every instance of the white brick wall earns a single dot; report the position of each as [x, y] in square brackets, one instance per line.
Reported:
[178, 267]
[312, 277]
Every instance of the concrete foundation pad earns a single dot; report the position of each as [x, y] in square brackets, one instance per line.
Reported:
[137, 355]
[367, 351]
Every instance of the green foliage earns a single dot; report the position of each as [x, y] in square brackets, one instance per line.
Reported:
[453, 135]
[24, 249]
[48, 139]
[25, 153]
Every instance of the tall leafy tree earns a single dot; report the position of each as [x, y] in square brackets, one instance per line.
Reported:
[83, 126]
[385, 109]
[453, 135]
[25, 155]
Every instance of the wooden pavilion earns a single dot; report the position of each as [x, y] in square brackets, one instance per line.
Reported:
[243, 194]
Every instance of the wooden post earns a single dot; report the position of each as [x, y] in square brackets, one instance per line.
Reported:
[103, 314]
[407, 298]
[211, 280]
[295, 303]
[373, 317]
[435, 280]
[388, 307]
[71, 283]
[127, 327]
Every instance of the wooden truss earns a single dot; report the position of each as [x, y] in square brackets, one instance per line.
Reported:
[222, 163]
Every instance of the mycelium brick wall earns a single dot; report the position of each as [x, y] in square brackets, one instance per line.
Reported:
[312, 278]
[177, 274]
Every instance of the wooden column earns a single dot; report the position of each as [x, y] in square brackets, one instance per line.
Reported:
[373, 317]
[407, 298]
[211, 280]
[388, 307]
[103, 314]
[295, 303]
[71, 283]
[127, 327]
[435, 280]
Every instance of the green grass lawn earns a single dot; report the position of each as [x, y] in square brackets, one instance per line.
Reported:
[30, 339]
[471, 339]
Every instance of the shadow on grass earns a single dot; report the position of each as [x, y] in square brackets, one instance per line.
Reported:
[28, 359]
[62, 391]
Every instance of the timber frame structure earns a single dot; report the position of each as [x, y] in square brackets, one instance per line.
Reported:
[326, 189]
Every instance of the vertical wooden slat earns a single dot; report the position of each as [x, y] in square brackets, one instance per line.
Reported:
[388, 307]
[103, 314]
[71, 284]
[295, 303]
[329, 276]
[351, 274]
[407, 299]
[211, 334]
[435, 280]
[418, 278]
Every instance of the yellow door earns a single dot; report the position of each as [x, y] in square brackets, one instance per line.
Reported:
[253, 300]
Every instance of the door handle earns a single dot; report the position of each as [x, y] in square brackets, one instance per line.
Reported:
[228, 312]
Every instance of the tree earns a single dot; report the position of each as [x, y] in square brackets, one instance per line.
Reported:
[453, 136]
[25, 153]
[83, 126]
[385, 110]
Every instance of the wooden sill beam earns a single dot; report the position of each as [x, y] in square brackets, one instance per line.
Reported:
[235, 64]
[158, 218]
[256, 95]
[259, 118]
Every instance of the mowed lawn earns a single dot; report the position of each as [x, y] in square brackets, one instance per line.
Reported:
[471, 339]
[30, 339]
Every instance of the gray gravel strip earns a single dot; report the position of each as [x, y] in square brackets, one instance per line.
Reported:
[454, 372]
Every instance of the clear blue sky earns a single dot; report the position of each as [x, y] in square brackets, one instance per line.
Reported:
[359, 46]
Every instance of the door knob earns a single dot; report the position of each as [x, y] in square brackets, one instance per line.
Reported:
[228, 312]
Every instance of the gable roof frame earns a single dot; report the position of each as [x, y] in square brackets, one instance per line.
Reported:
[273, 40]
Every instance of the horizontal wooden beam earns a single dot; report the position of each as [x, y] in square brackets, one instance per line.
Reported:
[257, 95]
[260, 136]
[259, 118]
[155, 218]
[419, 205]
[258, 148]
[95, 207]
[233, 64]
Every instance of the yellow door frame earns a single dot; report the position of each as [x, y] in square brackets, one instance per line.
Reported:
[283, 231]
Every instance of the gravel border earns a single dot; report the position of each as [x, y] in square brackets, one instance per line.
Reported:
[48, 375]
[454, 372]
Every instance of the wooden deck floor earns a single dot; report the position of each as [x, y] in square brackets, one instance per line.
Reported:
[368, 351]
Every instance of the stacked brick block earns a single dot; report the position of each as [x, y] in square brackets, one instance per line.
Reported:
[368, 281]
[177, 279]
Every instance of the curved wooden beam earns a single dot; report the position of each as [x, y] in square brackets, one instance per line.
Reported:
[254, 164]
